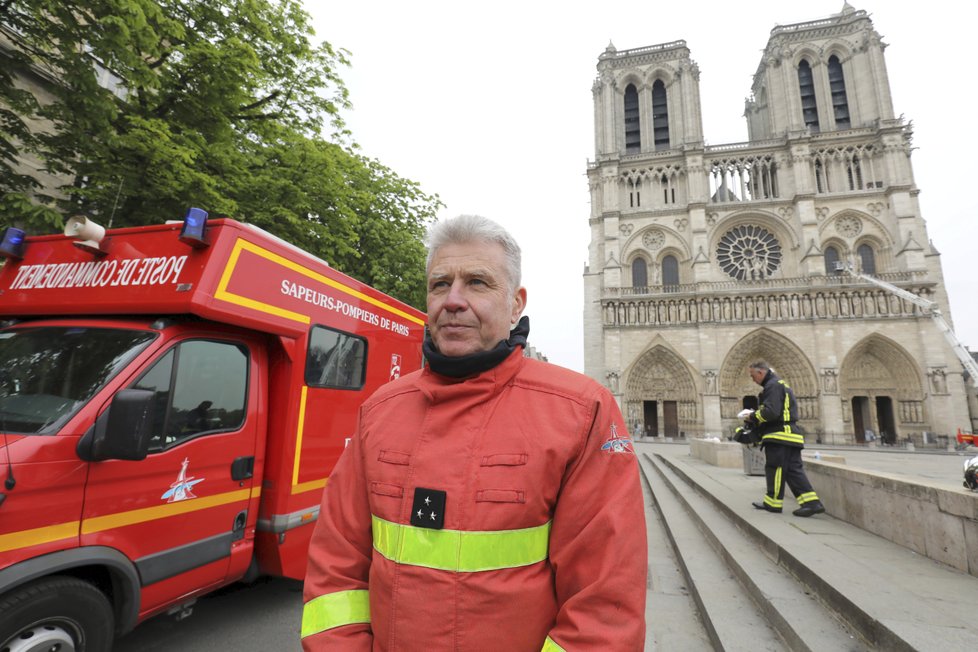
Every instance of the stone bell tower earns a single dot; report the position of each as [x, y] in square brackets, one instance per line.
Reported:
[705, 258]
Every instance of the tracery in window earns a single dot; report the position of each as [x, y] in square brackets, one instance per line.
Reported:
[653, 239]
[749, 253]
[849, 225]
[633, 129]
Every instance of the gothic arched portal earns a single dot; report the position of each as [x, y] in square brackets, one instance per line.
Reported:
[787, 360]
[661, 395]
[880, 389]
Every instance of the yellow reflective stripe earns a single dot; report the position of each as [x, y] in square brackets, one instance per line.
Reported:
[807, 497]
[550, 646]
[335, 610]
[786, 416]
[791, 437]
[458, 550]
[773, 502]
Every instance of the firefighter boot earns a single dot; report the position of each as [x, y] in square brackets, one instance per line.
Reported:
[810, 509]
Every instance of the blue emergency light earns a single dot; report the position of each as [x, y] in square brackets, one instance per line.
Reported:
[194, 224]
[12, 244]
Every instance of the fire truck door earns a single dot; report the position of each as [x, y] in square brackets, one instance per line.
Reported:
[185, 514]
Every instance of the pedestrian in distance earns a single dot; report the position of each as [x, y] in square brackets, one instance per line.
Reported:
[775, 422]
[488, 501]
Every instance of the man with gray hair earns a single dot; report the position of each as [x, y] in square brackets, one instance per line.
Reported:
[488, 501]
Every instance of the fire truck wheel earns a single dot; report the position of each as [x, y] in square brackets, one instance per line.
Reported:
[56, 613]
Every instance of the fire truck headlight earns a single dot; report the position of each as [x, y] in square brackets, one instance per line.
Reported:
[12, 243]
[194, 225]
[88, 233]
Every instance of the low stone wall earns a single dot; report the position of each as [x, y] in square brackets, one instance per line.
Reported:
[933, 521]
[732, 455]
[727, 454]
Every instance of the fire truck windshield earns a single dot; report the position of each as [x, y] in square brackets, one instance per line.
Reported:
[48, 373]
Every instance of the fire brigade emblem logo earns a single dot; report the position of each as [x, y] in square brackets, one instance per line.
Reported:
[395, 366]
[181, 488]
[616, 443]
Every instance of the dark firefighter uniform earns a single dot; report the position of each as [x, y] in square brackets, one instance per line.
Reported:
[775, 421]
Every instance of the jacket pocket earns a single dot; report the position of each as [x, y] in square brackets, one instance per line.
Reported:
[505, 459]
[500, 496]
[394, 457]
[386, 489]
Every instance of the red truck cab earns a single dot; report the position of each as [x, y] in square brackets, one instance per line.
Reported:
[170, 411]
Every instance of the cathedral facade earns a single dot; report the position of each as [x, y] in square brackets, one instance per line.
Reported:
[705, 258]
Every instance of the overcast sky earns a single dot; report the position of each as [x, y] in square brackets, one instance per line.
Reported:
[489, 105]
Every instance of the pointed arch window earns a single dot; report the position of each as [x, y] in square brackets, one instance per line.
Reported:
[837, 85]
[640, 273]
[867, 258]
[831, 260]
[633, 128]
[660, 115]
[670, 273]
[806, 86]
[854, 172]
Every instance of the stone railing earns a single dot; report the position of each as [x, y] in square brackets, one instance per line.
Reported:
[763, 304]
[762, 285]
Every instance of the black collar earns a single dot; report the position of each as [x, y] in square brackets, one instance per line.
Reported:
[475, 363]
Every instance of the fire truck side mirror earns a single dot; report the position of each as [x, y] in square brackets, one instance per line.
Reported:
[123, 431]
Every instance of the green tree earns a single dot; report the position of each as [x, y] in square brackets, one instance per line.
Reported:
[228, 105]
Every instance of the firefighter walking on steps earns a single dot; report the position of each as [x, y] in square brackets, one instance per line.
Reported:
[775, 421]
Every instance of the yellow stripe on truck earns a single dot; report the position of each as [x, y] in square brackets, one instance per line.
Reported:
[37, 536]
[121, 519]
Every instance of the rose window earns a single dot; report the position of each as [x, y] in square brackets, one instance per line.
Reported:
[749, 253]
[654, 239]
[849, 226]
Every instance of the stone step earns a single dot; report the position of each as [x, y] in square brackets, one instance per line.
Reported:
[893, 598]
[749, 601]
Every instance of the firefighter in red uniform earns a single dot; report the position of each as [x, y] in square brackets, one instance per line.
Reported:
[487, 502]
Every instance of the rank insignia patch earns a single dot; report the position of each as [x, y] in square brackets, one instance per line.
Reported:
[616, 443]
[429, 508]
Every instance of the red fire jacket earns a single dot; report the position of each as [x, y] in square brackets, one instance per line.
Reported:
[528, 471]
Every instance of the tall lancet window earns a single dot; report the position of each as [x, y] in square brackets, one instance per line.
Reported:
[660, 115]
[831, 261]
[867, 259]
[633, 128]
[670, 274]
[837, 84]
[640, 273]
[806, 86]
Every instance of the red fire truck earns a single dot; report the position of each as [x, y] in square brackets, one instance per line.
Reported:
[172, 401]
